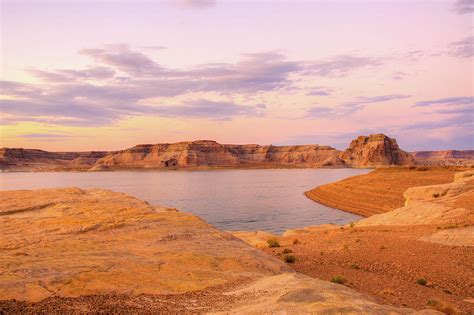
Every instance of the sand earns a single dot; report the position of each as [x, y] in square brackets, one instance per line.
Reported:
[431, 237]
[385, 263]
[379, 191]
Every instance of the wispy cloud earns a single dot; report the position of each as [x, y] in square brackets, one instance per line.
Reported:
[351, 107]
[340, 65]
[319, 92]
[45, 136]
[461, 106]
[94, 73]
[457, 100]
[464, 6]
[199, 4]
[210, 109]
[122, 80]
[121, 57]
[463, 48]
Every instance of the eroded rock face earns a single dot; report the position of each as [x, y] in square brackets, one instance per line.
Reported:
[374, 151]
[87, 245]
[210, 153]
[446, 157]
[73, 242]
[39, 160]
[446, 154]
[434, 204]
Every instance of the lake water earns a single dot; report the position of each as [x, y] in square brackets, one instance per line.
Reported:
[270, 199]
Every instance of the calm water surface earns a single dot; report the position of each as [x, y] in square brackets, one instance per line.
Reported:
[270, 200]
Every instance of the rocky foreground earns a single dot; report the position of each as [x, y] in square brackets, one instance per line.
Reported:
[74, 250]
[371, 151]
[420, 254]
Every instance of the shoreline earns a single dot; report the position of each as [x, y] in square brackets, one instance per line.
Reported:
[380, 190]
[170, 169]
[376, 258]
[417, 255]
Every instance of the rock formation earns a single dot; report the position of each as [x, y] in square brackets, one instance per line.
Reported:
[434, 204]
[72, 242]
[39, 160]
[212, 154]
[447, 157]
[374, 151]
[95, 251]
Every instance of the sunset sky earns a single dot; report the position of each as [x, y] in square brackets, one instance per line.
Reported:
[106, 75]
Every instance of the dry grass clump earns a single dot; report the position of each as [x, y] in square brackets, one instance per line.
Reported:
[339, 279]
[355, 266]
[273, 242]
[289, 259]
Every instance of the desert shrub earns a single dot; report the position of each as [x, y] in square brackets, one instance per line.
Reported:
[355, 266]
[352, 224]
[436, 195]
[287, 251]
[339, 279]
[273, 242]
[290, 259]
[442, 307]
[421, 281]
[296, 241]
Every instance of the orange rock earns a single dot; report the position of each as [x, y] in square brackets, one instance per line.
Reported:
[374, 151]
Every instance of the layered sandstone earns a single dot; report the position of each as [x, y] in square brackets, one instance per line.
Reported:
[73, 242]
[380, 190]
[374, 151]
[451, 203]
[39, 160]
[208, 153]
[90, 251]
[446, 157]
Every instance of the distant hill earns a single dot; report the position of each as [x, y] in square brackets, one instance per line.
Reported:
[366, 151]
[445, 157]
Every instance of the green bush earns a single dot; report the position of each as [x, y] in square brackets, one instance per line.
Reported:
[287, 251]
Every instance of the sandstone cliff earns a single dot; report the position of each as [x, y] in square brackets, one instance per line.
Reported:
[446, 157]
[212, 154]
[39, 160]
[374, 151]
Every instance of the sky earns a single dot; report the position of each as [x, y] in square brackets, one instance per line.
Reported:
[107, 75]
